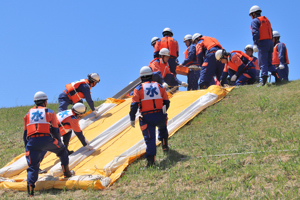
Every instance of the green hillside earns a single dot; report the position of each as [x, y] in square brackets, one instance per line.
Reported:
[244, 147]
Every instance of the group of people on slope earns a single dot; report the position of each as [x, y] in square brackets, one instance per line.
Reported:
[208, 61]
[43, 129]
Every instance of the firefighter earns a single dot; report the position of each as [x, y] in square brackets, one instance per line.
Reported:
[78, 90]
[41, 134]
[68, 120]
[152, 101]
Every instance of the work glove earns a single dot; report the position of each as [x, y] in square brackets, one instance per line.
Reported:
[281, 67]
[184, 84]
[88, 146]
[255, 49]
[194, 67]
[132, 123]
[165, 85]
[233, 78]
[96, 114]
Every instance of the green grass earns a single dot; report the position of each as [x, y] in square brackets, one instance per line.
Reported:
[264, 120]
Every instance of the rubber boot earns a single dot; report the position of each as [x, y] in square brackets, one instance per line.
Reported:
[30, 190]
[69, 152]
[150, 161]
[164, 145]
[277, 79]
[67, 172]
[264, 80]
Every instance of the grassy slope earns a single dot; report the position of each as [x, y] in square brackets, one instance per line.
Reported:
[249, 119]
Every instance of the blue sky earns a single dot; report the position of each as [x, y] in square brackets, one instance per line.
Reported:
[46, 44]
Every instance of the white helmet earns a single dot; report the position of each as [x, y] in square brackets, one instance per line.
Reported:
[220, 54]
[94, 77]
[164, 52]
[153, 40]
[187, 37]
[40, 96]
[167, 30]
[253, 9]
[145, 71]
[249, 46]
[195, 36]
[276, 34]
[79, 108]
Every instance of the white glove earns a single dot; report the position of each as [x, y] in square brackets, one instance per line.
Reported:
[132, 123]
[95, 113]
[255, 49]
[184, 84]
[281, 67]
[88, 146]
[165, 85]
[233, 78]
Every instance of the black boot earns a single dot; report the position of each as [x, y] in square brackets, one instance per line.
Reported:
[264, 80]
[69, 152]
[164, 145]
[150, 161]
[30, 190]
[67, 172]
[277, 79]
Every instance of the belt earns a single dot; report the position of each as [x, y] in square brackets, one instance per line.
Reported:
[38, 135]
[152, 111]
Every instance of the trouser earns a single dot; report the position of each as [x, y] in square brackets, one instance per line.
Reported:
[172, 64]
[148, 124]
[63, 102]
[265, 51]
[283, 73]
[66, 138]
[257, 75]
[248, 76]
[210, 67]
[192, 79]
[35, 151]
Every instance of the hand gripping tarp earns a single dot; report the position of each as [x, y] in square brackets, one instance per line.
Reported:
[116, 144]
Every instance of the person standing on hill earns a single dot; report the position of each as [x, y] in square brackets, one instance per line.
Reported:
[152, 101]
[169, 43]
[41, 134]
[262, 38]
[78, 90]
[280, 57]
[191, 62]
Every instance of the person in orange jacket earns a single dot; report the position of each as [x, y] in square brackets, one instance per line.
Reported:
[249, 52]
[152, 101]
[154, 40]
[280, 57]
[238, 65]
[168, 42]
[41, 134]
[191, 62]
[161, 71]
[205, 52]
[78, 90]
[262, 38]
[68, 120]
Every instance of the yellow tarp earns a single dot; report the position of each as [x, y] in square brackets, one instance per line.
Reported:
[95, 163]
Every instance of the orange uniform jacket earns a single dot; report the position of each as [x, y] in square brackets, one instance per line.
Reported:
[71, 90]
[169, 43]
[275, 58]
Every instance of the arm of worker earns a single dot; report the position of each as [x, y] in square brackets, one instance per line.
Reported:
[135, 103]
[165, 97]
[191, 55]
[224, 78]
[281, 50]
[86, 91]
[54, 125]
[74, 123]
[255, 30]
[25, 130]
[156, 49]
[199, 55]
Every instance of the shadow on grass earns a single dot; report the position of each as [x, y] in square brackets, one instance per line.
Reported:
[172, 158]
